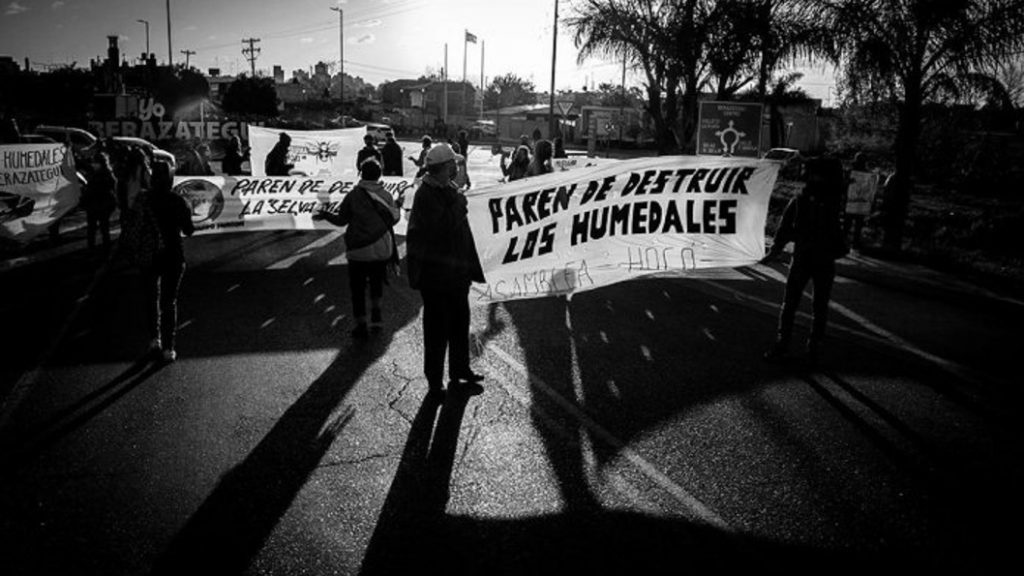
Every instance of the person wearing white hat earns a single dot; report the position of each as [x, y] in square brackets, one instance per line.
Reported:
[443, 262]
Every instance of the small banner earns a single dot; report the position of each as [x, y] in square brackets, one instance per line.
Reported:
[243, 204]
[315, 153]
[573, 231]
[860, 195]
[38, 185]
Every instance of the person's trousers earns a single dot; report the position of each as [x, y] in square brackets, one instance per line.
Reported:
[162, 281]
[359, 273]
[445, 329]
[92, 222]
[822, 273]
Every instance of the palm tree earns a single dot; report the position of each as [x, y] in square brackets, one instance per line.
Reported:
[911, 51]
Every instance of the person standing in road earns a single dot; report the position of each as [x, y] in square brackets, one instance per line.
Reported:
[463, 141]
[461, 180]
[560, 148]
[163, 277]
[369, 150]
[391, 155]
[541, 163]
[137, 174]
[421, 161]
[443, 263]
[234, 156]
[812, 221]
[519, 164]
[99, 200]
[369, 212]
[277, 163]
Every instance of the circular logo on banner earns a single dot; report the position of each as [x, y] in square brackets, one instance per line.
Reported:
[13, 206]
[205, 198]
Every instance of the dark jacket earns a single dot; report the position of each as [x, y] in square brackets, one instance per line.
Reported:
[392, 158]
[367, 220]
[277, 161]
[231, 164]
[442, 253]
[814, 226]
[100, 194]
[367, 152]
[173, 218]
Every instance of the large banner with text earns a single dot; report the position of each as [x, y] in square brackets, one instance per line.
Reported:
[569, 232]
[244, 204]
[38, 185]
[314, 153]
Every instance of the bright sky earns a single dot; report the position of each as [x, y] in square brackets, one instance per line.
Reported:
[384, 39]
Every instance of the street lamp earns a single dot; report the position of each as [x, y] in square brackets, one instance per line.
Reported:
[146, 22]
[341, 60]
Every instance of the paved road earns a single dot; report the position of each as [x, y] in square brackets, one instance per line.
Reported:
[633, 428]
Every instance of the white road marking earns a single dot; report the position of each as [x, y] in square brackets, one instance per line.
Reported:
[306, 251]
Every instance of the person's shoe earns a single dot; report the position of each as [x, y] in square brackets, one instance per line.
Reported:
[470, 377]
[169, 355]
[466, 388]
[155, 345]
[435, 394]
[360, 332]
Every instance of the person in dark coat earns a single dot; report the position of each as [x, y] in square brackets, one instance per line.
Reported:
[443, 263]
[519, 164]
[367, 151]
[391, 156]
[463, 141]
[234, 156]
[541, 162]
[812, 221]
[277, 159]
[100, 200]
[163, 278]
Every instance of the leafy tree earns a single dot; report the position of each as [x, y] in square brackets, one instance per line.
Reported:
[251, 96]
[912, 52]
[509, 90]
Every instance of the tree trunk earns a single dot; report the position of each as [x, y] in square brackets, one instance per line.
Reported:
[896, 204]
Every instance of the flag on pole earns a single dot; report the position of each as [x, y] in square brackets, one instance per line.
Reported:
[470, 37]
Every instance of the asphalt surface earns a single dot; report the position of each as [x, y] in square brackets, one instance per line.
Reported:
[634, 428]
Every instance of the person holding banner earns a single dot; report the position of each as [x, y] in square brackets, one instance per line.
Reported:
[443, 263]
[370, 213]
[367, 151]
[391, 155]
[519, 165]
[276, 163]
[541, 163]
[812, 221]
[421, 162]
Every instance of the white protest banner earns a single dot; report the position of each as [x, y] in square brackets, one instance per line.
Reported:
[38, 185]
[315, 153]
[860, 194]
[243, 204]
[569, 232]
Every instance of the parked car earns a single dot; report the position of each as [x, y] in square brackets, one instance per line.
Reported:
[37, 139]
[82, 141]
[158, 153]
[378, 131]
[483, 128]
[790, 160]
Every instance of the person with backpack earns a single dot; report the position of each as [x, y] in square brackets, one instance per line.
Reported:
[369, 212]
[162, 275]
[812, 221]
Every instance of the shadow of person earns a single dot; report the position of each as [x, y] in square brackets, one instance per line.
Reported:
[415, 504]
[75, 415]
[232, 524]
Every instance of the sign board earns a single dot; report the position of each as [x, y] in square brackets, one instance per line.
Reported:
[564, 108]
[729, 129]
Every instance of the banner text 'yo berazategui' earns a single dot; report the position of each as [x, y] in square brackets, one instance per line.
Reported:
[574, 231]
[38, 185]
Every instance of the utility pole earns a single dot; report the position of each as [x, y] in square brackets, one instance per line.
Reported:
[341, 56]
[444, 73]
[554, 50]
[250, 53]
[146, 22]
[187, 53]
[170, 52]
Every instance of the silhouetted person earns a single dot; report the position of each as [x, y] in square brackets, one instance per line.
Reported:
[812, 222]
[234, 156]
[369, 150]
[541, 162]
[560, 148]
[99, 200]
[277, 159]
[163, 278]
[391, 156]
[518, 166]
[443, 262]
[369, 212]
[463, 141]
